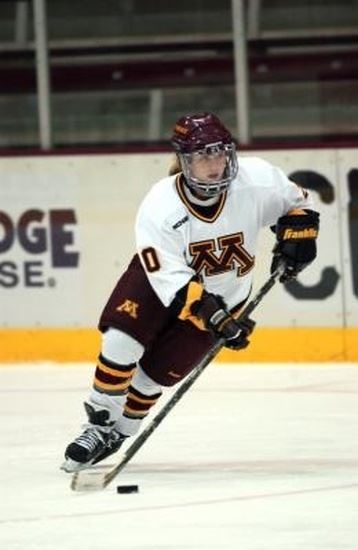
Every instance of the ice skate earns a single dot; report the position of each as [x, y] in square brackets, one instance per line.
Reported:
[97, 442]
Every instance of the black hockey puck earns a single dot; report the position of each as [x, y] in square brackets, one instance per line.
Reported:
[126, 489]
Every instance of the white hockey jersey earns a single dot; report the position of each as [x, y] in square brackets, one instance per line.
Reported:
[177, 238]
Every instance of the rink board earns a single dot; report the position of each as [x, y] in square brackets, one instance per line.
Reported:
[66, 235]
[267, 345]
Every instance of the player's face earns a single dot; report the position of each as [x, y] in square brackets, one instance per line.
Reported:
[209, 171]
[208, 167]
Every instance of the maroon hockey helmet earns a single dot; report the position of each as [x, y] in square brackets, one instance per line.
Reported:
[204, 133]
[194, 132]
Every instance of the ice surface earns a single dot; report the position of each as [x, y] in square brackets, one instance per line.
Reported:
[252, 458]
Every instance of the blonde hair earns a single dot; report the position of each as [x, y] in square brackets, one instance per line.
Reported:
[175, 166]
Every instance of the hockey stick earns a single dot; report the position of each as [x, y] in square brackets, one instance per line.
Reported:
[96, 479]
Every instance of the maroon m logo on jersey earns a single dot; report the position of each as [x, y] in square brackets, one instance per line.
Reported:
[220, 255]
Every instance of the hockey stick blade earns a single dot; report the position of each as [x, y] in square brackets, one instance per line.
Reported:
[94, 480]
[88, 480]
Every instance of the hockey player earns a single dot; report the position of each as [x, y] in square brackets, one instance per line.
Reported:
[196, 238]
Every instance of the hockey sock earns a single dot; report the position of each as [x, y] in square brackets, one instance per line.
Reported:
[136, 407]
[111, 378]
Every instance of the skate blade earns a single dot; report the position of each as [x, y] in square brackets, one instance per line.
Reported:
[71, 466]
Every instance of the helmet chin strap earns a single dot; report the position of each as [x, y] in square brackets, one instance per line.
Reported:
[207, 190]
[196, 197]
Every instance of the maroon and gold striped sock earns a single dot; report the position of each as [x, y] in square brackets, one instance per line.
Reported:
[111, 378]
[137, 404]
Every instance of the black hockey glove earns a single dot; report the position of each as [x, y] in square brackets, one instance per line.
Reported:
[296, 243]
[216, 317]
